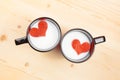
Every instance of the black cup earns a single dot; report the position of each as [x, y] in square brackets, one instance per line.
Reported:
[43, 34]
[78, 45]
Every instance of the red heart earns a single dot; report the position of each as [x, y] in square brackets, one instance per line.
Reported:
[40, 31]
[80, 48]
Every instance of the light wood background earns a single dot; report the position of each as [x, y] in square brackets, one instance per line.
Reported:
[99, 17]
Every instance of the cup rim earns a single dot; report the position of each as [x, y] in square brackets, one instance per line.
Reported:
[91, 48]
[60, 34]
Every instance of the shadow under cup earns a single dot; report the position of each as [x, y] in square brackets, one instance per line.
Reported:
[43, 34]
[78, 45]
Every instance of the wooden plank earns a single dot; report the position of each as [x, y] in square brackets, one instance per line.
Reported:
[99, 17]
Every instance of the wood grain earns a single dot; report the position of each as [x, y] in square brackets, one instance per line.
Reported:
[99, 17]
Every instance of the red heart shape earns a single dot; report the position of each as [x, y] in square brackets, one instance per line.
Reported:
[40, 31]
[80, 48]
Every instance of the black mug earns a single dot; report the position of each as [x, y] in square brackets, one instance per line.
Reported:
[78, 45]
[43, 34]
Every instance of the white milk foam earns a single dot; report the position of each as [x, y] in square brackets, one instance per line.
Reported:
[67, 48]
[47, 42]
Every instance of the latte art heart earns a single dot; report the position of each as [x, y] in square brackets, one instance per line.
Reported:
[80, 48]
[40, 31]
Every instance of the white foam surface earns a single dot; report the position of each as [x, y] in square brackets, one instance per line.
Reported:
[47, 42]
[67, 48]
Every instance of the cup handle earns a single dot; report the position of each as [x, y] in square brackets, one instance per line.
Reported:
[21, 41]
[99, 39]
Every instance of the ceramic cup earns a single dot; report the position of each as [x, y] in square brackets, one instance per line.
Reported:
[77, 45]
[43, 34]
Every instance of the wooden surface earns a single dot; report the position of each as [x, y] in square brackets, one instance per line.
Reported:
[99, 17]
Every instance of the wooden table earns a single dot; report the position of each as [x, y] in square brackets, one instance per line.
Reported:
[99, 17]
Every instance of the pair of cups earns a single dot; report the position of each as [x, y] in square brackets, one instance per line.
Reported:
[44, 34]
